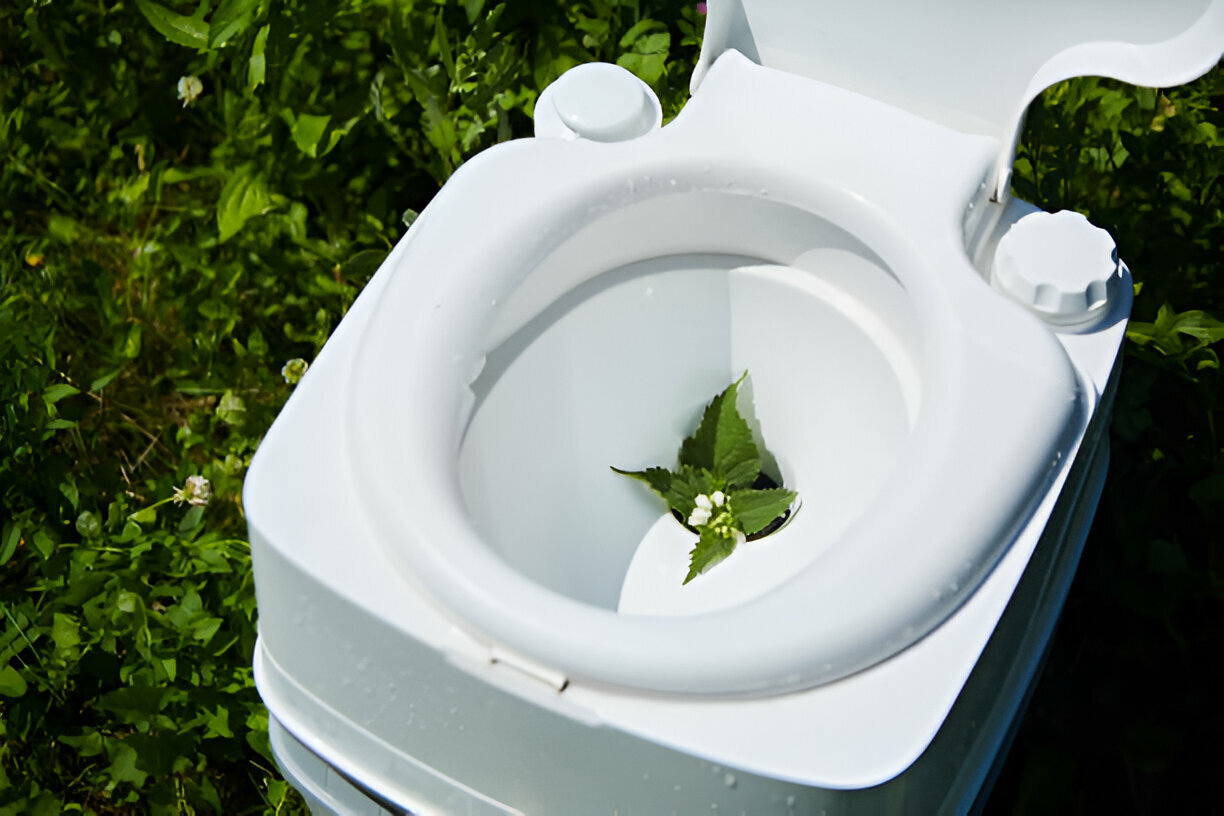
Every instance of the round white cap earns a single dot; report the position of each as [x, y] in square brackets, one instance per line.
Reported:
[1058, 265]
[600, 102]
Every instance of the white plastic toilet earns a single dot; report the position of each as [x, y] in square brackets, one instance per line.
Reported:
[463, 610]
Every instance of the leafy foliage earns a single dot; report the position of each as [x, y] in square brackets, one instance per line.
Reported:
[1128, 699]
[163, 253]
[713, 488]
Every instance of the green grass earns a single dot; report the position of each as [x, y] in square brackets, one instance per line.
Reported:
[160, 262]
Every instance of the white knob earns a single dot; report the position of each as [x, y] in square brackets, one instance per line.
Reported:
[1058, 265]
[597, 101]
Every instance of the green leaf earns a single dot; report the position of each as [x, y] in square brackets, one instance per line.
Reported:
[230, 19]
[755, 509]
[148, 515]
[69, 490]
[678, 489]
[363, 264]
[88, 524]
[191, 519]
[87, 744]
[656, 478]
[131, 343]
[54, 393]
[710, 550]
[646, 67]
[686, 484]
[123, 766]
[101, 382]
[177, 28]
[244, 196]
[257, 64]
[307, 130]
[639, 30]
[444, 49]
[12, 684]
[9, 542]
[723, 442]
[473, 8]
[44, 543]
[64, 631]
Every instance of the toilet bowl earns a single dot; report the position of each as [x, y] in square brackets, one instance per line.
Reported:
[455, 540]
[918, 413]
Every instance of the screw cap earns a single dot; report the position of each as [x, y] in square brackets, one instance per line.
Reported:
[1058, 265]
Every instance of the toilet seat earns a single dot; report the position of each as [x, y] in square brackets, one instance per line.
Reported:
[999, 399]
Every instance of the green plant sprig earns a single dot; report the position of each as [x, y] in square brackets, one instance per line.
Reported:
[713, 486]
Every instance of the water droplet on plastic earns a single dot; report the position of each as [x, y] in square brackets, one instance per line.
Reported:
[790, 801]
[729, 780]
[363, 664]
[649, 291]
[705, 168]
[645, 776]
[677, 788]
[493, 302]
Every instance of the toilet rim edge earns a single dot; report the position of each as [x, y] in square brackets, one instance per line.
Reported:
[466, 588]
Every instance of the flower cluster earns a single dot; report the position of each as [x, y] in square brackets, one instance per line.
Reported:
[704, 505]
[196, 492]
[189, 89]
[294, 370]
[713, 512]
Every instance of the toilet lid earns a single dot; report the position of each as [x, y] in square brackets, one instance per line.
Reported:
[973, 65]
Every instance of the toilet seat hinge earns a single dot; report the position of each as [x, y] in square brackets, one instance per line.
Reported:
[551, 677]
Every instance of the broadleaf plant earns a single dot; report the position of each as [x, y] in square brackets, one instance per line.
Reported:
[718, 488]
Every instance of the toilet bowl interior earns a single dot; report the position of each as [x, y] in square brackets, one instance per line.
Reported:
[611, 347]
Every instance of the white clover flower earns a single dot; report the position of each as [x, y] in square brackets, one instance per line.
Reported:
[718, 497]
[189, 89]
[699, 516]
[294, 370]
[196, 492]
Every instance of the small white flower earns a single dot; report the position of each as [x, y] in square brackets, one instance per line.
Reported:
[703, 501]
[699, 516]
[189, 89]
[294, 370]
[740, 538]
[718, 497]
[196, 492]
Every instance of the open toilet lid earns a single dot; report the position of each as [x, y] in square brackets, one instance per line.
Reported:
[973, 65]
